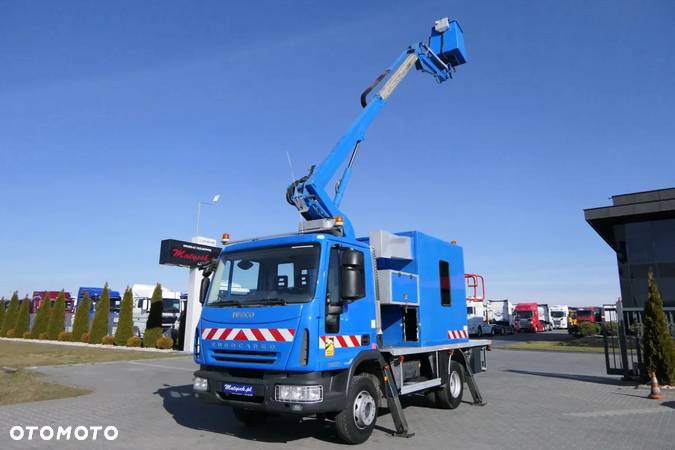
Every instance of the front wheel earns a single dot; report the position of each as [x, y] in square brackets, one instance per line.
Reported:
[450, 394]
[479, 332]
[355, 423]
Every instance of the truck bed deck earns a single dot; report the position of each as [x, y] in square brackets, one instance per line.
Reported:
[398, 351]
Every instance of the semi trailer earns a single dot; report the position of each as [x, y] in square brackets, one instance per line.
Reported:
[322, 322]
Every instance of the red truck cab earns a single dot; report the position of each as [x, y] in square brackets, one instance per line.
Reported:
[40, 296]
[527, 318]
[591, 314]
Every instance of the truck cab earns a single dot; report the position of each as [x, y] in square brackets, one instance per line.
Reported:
[527, 318]
[559, 315]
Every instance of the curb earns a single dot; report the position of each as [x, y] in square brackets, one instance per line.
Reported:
[107, 347]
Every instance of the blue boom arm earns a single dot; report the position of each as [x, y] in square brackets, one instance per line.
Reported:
[444, 51]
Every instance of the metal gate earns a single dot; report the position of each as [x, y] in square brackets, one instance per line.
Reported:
[623, 350]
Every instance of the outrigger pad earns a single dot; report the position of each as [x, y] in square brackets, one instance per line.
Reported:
[447, 41]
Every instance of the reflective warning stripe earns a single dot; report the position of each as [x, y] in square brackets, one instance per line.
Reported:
[249, 334]
[341, 341]
[458, 334]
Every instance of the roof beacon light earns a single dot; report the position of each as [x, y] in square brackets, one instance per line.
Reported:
[339, 221]
[225, 238]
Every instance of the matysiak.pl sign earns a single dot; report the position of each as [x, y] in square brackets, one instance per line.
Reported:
[185, 254]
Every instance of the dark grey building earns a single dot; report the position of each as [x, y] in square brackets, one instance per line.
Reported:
[640, 227]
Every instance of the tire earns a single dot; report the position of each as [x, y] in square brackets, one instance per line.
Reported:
[355, 423]
[479, 332]
[250, 418]
[450, 394]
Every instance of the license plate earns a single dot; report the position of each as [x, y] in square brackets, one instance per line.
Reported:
[238, 389]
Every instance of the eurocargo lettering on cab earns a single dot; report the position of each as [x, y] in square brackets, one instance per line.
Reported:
[323, 322]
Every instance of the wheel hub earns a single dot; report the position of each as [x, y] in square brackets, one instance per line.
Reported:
[455, 384]
[364, 409]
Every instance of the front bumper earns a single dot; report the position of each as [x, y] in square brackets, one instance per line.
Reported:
[334, 389]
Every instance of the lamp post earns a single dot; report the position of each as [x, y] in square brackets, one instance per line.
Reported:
[213, 201]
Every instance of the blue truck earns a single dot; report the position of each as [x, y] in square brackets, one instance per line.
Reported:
[321, 322]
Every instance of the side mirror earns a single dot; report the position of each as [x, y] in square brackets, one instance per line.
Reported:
[204, 289]
[352, 279]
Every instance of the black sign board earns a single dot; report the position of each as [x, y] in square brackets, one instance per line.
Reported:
[185, 254]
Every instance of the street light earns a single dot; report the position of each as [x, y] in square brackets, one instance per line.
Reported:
[213, 201]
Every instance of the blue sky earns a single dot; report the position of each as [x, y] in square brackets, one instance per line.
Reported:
[116, 118]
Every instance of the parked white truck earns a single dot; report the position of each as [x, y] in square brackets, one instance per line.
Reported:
[545, 316]
[501, 315]
[477, 318]
[171, 303]
[559, 315]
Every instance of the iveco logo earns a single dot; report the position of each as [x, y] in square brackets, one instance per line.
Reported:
[243, 315]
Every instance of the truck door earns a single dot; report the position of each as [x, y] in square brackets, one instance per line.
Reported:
[349, 315]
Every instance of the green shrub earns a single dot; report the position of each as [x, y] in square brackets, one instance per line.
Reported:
[108, 340]
[153, 327]
[26, 335]
[10, 315]
[99, 326]
[125, 324]
[41, 320]
[659, 350]
[22, 318]
[43, 336]
[134, 341]
[588, 329]
[611, 328]
[57, 318]
[84, 338]
[165, 343]
[11, 333]
[81, 320]
[65, 336]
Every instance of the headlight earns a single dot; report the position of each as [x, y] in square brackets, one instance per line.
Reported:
[200, 384]
[298, 394]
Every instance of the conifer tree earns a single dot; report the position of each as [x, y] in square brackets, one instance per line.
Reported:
[153, 327]
[10, 315]
[659, 351]
[125, 324]
[41, 320]
[22, 319]
[2, 311]
[99, 326]
[81, 321]
[57, 317]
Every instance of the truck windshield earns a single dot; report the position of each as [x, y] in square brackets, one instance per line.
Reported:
[584, 314]
[524, 314]
[171, 305]
[557, 314]
[265, 276]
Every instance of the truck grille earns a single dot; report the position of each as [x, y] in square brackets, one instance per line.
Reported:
[244, 356]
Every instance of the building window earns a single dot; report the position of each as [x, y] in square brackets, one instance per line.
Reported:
[444, 268]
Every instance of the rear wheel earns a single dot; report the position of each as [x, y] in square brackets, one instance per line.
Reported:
[355, 423]
[250, 418]
[450, 394]
[479, 332]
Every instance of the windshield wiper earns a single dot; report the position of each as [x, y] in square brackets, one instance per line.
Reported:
[226, 303]
[274, 301]
[267, 302]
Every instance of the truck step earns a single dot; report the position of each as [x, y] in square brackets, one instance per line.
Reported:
[407, 388]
